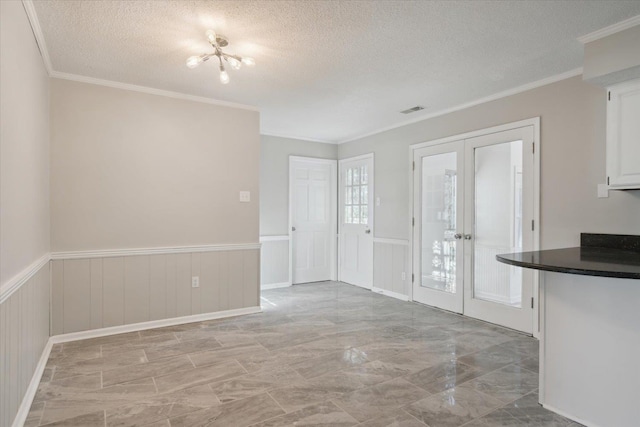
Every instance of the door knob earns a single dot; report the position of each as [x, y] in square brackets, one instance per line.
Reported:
[467, 237]
[457, 236]
[293, 229]
[368, 231]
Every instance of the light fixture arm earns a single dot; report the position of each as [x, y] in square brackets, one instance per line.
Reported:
[217, 42]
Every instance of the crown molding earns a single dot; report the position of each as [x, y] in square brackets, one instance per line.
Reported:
[300, 138]
[110, 253]
[42, 46]
[611, 29]
[149, 90]
[496, 96]
[23, 277]
[30, 9]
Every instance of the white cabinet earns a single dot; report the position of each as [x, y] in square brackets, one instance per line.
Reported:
[623, 136]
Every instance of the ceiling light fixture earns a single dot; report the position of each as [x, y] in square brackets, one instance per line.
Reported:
[218, 42]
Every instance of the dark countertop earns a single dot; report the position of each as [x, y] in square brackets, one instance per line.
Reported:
[611, 257]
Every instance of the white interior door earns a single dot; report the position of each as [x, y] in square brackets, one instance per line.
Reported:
[474, 199]
[356, 221]
[499, 201]
[312, 185]
[438, 223]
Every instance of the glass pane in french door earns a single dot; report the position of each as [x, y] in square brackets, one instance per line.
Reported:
[498, 222]
[438, 222]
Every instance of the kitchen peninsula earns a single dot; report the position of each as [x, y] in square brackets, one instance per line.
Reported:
[589, 328]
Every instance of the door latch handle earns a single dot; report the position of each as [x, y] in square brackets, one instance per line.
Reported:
[368, 231]
[467, 237]
[457, 236]
[293, 229]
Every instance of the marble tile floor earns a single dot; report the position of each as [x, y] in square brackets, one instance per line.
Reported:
[323, 354]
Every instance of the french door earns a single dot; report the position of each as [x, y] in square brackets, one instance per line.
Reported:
[473, 200]
[438, 224]
[356, 221]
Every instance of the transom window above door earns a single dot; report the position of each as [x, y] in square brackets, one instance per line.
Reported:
[356, 193]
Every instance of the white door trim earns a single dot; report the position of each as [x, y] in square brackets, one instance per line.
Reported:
[372, 210]
[334, 210]
[535, 122]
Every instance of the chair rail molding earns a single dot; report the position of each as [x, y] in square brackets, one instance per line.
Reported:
[23, 277]
[109, 253]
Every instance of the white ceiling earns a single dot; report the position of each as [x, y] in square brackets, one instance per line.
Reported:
[328, 70]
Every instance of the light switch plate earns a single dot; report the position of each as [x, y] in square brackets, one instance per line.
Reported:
[245, 196]
[603, 191]
[195, 282]
[377, 201]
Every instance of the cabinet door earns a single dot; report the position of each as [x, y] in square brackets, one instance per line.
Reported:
[623, 135]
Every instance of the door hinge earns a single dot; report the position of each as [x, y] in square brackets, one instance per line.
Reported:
[609, 94]
[533, 148]
[533, 225]
[412, 277]
[413, 221]
[531, 302]
[414, 165]
[607, 180]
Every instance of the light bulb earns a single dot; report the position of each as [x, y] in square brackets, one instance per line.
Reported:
[249, 61]
[211, 36]
[224, 77]
[194, 61]
[235, 64]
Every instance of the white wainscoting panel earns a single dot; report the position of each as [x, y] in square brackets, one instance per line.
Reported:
[390, 261]
[24, 331]
[92, 293]
[274, 262]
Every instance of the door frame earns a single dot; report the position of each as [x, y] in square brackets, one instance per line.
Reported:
[334, 209]
[535, 123]
[371, 178]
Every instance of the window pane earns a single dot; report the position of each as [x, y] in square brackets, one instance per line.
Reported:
[348, 196]
[347, 214]
[497, 208]
[363, 175]
[356, 176]
[364, 191]
[364, 215]
[356, 195]
[348, 177]
[438, 245]
[356, 214]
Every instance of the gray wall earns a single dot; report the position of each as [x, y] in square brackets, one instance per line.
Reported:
[133, 170]
[24, 145]
[274, 178]
[24, 197]
[573, 115]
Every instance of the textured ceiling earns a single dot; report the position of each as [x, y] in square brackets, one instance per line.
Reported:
[328, 70]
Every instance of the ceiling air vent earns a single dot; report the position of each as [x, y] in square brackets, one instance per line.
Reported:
[412, 109]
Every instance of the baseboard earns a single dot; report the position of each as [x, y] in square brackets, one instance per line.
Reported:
[275, 286]
[114, 330]
[571, 417]
[30, 393]
[391, 294]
